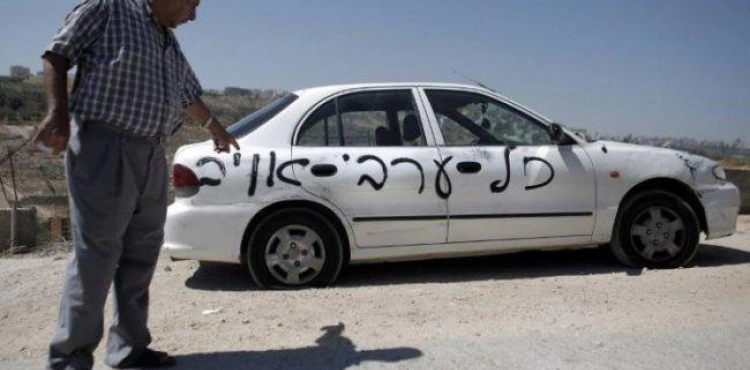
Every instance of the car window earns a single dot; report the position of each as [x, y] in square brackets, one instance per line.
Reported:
[366, 119]
[321, 128]
[260, 116]
[474, 119]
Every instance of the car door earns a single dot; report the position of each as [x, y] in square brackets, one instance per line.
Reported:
[367, 153]
[506, 177]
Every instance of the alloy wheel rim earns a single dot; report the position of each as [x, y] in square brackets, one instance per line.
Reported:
[658, 234]
[295, 255]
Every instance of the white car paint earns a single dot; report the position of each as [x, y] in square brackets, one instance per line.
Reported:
[590, 181]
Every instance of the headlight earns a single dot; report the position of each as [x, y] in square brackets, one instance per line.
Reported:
[719, 173]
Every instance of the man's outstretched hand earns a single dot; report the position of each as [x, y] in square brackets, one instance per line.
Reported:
[222, 139]
[53, 133]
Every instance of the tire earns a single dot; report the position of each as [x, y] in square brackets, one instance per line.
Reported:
[294, 248]
[657, 230]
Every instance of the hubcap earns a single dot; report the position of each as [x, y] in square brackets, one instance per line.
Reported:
[658, 234]
[295, 255]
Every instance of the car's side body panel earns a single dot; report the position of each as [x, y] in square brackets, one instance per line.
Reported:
[506, 192]
[387, 193]
[448, 250]
[621, 167]
[520, 193]
[207, 232]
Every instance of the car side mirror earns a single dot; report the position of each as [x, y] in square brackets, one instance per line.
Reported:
[557, 133]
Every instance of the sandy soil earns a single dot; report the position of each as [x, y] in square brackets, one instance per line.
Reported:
[564, 310]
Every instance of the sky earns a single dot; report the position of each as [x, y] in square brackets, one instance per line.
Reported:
[678, 68]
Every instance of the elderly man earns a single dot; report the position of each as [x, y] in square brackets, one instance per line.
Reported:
[131, 86]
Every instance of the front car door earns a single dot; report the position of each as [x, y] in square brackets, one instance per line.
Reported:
[508, 179]
[367, 153]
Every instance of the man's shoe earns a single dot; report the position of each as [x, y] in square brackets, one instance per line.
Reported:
[149, 359]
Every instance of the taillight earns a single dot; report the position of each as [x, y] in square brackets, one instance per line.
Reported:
[185, 181]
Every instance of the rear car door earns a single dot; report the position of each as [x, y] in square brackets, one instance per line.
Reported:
[368, 154]
[508, 179]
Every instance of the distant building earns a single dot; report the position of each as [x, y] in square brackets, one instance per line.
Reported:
[20, 72]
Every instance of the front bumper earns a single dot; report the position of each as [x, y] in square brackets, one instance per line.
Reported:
[206, 232]
[722, 205]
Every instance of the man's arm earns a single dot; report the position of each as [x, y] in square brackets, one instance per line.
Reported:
[82, 27]
[55, 128]
[222, 140]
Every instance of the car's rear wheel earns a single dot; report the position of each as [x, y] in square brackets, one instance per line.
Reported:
[294, 248]
[657, 230]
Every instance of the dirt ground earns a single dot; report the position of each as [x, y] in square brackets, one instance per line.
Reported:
[534, 310]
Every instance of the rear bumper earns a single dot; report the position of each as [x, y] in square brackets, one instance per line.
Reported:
[722, 206]
[206, 232]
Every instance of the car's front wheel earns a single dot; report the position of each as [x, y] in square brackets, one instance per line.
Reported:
[657, 230]
[294, 248]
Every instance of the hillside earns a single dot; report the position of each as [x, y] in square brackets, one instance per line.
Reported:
[23, 104]
[24, 101]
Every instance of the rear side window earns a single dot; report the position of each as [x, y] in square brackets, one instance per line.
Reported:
[260, 116]
[366, 119]
[322, 128]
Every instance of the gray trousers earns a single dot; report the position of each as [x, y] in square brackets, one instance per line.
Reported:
[118, 200]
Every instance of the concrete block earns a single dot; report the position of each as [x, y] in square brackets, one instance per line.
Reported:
[26, 227]
[741, 178]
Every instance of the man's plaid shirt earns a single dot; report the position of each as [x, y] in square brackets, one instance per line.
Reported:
[131, 72]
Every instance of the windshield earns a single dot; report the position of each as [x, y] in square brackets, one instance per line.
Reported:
[260, 116]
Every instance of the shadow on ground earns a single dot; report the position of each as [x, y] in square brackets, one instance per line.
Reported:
[333, 352]
[531, 264]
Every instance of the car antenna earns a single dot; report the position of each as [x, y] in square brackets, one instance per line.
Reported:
[474, 81]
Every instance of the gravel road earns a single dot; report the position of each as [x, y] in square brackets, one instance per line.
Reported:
[534, 310]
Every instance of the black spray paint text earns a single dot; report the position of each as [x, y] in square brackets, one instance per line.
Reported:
[443, 184]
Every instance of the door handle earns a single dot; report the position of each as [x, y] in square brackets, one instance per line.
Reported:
[323, 170]
[469, 167]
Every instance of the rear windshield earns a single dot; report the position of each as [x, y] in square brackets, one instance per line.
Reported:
[260, 116]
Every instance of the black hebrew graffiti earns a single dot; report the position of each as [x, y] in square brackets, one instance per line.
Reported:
[443, 175]
[527, 160]
[494, 188]
[208, 180]
[254, 176]
[469, 167]
[376, 185]
[269, 182]
[203, 161]
[280, 172]
[398, 161]
[324, 170]
[443, 183]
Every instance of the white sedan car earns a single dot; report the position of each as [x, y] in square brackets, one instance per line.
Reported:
[380, 172]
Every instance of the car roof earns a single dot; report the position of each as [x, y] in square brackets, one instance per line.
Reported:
[333, 89]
